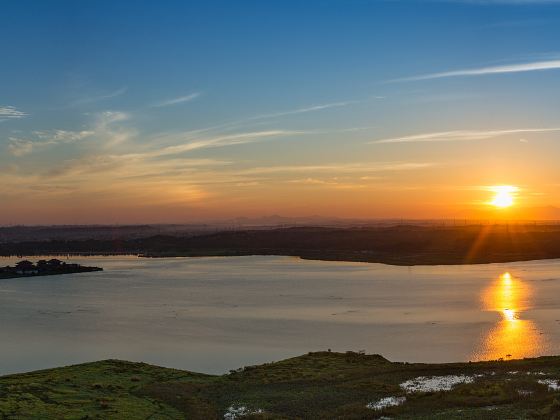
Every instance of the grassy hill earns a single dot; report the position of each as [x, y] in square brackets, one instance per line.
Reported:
[316, 385]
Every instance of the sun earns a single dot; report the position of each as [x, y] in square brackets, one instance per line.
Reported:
[504, 195]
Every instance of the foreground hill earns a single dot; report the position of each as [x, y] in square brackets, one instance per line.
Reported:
[317, 385]
[399, 245]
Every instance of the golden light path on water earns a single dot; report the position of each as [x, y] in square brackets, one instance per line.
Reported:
[512, 336]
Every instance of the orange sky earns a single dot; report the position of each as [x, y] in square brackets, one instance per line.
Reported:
[371, 110]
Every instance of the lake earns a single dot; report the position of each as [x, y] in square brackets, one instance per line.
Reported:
[215, 314]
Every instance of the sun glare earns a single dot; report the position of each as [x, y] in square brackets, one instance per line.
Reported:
[504, 195]
[511, 336]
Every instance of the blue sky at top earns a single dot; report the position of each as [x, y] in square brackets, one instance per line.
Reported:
[324, 78]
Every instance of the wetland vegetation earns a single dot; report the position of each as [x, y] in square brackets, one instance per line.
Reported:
[349, 385]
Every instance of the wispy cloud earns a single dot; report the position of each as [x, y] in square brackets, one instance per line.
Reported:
[43, 139]
[176, 101]
[221, 141]
[334, 183]
[20, 147]
[461, 135]
[303, 110]
[256, 120]
[105, 132]
[108, 117]
[482, 71]
[109, 130]
[102, 170]
[11, 112]
[99, 97]
[340, 168]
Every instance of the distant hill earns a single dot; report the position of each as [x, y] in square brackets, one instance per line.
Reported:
[397, 244]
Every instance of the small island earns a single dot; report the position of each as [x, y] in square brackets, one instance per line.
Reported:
[51, 267]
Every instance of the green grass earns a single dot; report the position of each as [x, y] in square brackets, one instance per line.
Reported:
[316, 385]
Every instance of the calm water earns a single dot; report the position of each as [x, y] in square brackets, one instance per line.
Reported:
[216, 314]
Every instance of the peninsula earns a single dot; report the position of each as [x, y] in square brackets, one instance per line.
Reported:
[51, 267]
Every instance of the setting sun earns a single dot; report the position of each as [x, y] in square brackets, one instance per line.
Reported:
[504, 196]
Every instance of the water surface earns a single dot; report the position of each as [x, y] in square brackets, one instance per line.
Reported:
[216, 314]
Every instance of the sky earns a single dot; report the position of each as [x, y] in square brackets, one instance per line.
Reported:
[183, 111]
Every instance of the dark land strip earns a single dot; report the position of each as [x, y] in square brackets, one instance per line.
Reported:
[397, 245]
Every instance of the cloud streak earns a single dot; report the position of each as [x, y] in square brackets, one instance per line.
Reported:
[20, 147]
[101, 97]
[221, 141]
[11, 112]
[105, 132]
[176, 101]
[461, 135]
[484, 71]
[259, 119]
[303, 110]
[341, 168]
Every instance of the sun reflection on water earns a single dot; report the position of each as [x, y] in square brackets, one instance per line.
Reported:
[512, 336]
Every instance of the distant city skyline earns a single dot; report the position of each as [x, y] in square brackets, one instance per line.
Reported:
[177, 112]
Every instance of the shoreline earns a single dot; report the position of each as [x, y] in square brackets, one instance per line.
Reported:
[389, 260]
[20, 276]
[395, 245]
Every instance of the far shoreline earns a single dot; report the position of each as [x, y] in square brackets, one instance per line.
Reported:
[399, 245]
[389, 262]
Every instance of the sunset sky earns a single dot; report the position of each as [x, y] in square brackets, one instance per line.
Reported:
[133, 112]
